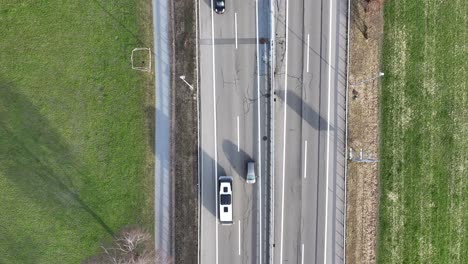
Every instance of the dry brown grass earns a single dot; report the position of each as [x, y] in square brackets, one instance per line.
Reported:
[185, 134]
[362, 189]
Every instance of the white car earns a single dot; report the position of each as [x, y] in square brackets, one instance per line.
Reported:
[225, 200]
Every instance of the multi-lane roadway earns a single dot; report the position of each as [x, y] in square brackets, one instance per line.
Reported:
[232, 125]
[307, 94]
[310, 115]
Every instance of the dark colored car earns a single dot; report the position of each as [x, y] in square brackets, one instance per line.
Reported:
[219, 6]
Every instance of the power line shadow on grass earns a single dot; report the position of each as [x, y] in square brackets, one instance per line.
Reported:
[37, 160]
[120, 22]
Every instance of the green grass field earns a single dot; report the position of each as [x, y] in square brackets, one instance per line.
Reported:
[73, 141]
[424, 168]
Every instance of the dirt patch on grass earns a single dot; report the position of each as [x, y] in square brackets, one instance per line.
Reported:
[366, 30]
[185, 133]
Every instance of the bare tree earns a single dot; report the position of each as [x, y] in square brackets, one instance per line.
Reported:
[131, 246]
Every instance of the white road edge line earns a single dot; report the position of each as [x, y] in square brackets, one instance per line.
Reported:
[328, 135]
[200, 162]
[215, 135]
[305, 160]
[284, 128]
[235, 26]
[302, 253]
[239, 237]
[308, 52]
[238, 137]
[258, 132]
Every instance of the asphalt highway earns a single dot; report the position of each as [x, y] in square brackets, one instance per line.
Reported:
[309, 114]
[309, 132]
[231, 127]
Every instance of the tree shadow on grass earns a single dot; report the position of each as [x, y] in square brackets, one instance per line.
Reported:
[36, 159]
[14, 247]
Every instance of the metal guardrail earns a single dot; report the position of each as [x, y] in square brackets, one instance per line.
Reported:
[272, 133]
[346, 129]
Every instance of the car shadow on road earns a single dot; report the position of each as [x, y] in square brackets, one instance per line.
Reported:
[208, 177]
[236, 157]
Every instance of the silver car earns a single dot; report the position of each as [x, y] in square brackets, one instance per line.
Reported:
[251, 172]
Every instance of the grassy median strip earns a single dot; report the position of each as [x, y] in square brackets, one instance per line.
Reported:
[424, 177]
[73, 141]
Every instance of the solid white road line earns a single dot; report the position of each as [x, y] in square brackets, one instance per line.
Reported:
[239, 237]
[259, 140]
[284, 129]
[215, 135]
[200, 161]
[302, 257]
[307, 52]
[235, 26]
[328, 134]
[305, 160]
[238, 137]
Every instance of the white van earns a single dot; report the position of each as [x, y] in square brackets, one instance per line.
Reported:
[225, 200]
